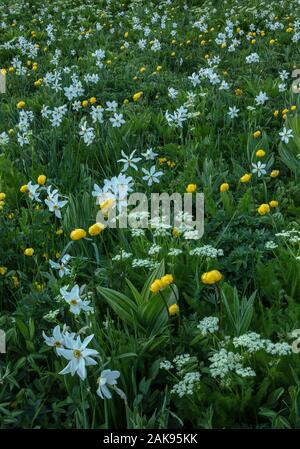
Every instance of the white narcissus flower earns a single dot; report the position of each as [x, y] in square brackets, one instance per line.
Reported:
[259, 168]
[79, 356]
[149, 154]
[73, 299]
[61, 266]
[53, 203]
[286, 135]
[57, 339]
[129, 161]
[151, 175]
[117, 120]
[108, 378]
[233, 112]
[33, 191]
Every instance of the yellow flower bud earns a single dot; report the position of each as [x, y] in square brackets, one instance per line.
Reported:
[41, 180]
[224, 187]
[260, 153]
[21, 105]
[245, 178]
[77, 234]
[263, 209]
[24, 188]
[211, 277]
[191, 188]
[173, 309]
[137, 96]
[96, 228]
[28, 252]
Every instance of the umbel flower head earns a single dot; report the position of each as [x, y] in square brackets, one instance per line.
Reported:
[211, 277]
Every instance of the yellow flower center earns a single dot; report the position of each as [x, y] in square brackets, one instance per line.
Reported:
[73, 302]
[77, 353]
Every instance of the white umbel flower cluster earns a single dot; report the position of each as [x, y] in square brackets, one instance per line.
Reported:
[207, 251]
[253, 342]
[225, 362]
[209, 325]
[187, 385]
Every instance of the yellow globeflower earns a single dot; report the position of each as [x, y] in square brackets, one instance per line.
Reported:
[263, 209]
[2, 196]
[41, 180]
[191, 188]
[137, 96]
[173, 309]
[274, 173]
[28, 252]
[3, 271]
[93, 100]
[21, 105]
[224, 187]
[77, 234]
[167, 280]
[24, 188]
[96, 228]
[245, 178]
[156, 286]
[273, 203]
[84, 103]
[260, 153]
[257, 134]
[211, 277]
[276, 113]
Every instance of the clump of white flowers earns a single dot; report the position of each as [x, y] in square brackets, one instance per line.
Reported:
[187, 385]
[209, 325]
[225, 362]
[207, 251]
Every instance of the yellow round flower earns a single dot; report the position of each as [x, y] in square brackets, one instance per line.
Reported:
[156, 286]
[41, 180]
[77, 234]
[167, 280]
[24, 188]
[245, 178]
[224, 187]
[96, 228]
[260, 153]
[211, 277]
[191, 188]
[263, 209]
[21, 105]
[93, 100]
[276, 113]
[137, 96]
[257, 134]
[273, 203]
[28, 252]
[274, 173]
[3, 271]
[173, 309]
[84, 103]
[2, 196]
